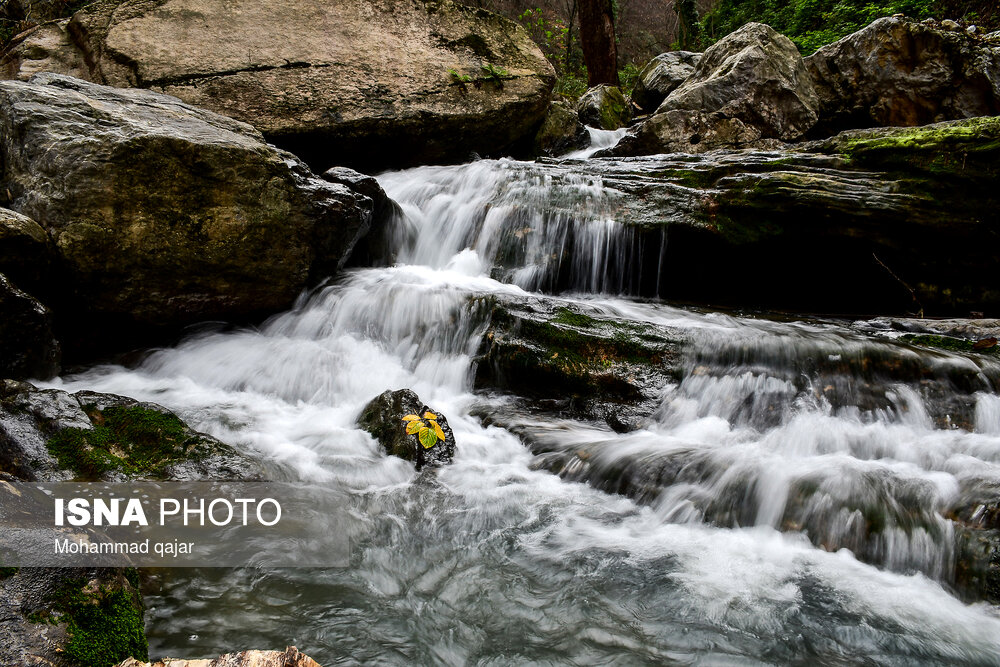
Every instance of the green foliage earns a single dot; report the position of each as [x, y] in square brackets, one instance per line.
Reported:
[7, 572]
[458, 77]
[428, 433]
[133, 440]
[571, 85]
[689, 29]
[627, 77]
[491, 71]
[104, 626]
[809, 23]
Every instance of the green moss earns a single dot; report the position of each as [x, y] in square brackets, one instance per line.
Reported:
[968, 148]
[567, 316]
[949, 343]
[104, 626]
[132, 440]
[7, 572]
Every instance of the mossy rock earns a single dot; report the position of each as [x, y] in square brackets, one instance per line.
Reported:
[600, 368]
[604, 107]
[953, 344]
[132, 440]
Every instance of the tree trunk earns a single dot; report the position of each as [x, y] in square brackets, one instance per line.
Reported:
[597, 38]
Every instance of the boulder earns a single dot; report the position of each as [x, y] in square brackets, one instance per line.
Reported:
[383, 418]
[561, 131]
[898, 72]
[604, 107]
[661, 76]
[163, 214]
[374, 83]
[290, 657]
[52, 435]
[751, 85]
[28, 348]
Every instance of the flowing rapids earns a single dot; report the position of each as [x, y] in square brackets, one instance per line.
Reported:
[786, 503]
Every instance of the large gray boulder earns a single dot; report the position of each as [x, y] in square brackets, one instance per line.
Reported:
[372, 82]
[751, 85]
[661, 76]
[898, 72]
[163, 214]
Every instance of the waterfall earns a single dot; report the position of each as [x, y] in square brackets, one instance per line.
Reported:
[787, 501]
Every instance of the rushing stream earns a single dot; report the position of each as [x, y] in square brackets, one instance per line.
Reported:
[787, 501]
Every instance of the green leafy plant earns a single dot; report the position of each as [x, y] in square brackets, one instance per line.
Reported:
[458, 77]
[493, 72]
[427, 432]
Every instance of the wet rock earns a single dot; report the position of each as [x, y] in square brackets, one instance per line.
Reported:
[385, 419]
[319, 79]
[968, 329]
[750, 85]
[908, 208]
[290, 657]
[661, 76]
[28, 348]
[164, 214]
[604, 107]
[51, 435]
[898, 72]
[66, 617]
[561, 131]
[577, 363]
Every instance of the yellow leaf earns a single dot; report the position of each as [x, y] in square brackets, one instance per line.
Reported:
[437, 429]
[409, 418]
[430, 415]
[413, 427]
[427, 438]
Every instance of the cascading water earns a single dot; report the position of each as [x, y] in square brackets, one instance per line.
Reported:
[785, 445]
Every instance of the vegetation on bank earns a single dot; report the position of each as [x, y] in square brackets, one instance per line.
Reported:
[811, 24]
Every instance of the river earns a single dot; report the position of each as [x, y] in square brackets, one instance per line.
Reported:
[797, 513]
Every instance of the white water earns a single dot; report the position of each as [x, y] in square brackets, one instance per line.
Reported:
[599, 140]
[500, 562]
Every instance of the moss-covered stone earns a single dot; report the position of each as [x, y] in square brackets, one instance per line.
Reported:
[605, 368]
[967, 148]
[951, 344]
[133, 440]
[604, 107]
[104, 622]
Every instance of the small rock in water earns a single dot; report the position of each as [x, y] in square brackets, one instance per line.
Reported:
[409, 429]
